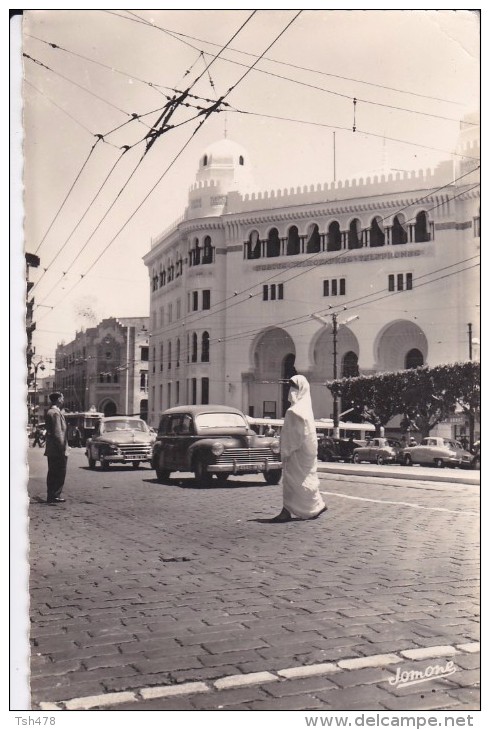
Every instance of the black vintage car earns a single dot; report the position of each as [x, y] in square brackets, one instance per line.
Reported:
[213, 440]
[335, 449]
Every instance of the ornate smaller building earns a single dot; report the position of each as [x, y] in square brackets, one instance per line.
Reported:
[107, 367]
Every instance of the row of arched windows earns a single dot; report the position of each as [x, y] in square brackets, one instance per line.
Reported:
[335, 239]
[197, 255]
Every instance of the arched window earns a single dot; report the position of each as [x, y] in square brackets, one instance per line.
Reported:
[194, 347]
[355, 234]
[241, 161]
[293, 247]
[421, 227]
[334, 238]
[254, 245]
[205, 347]
[207, 256]
[273, 247]
[161, 356]
[377, 234]
[413, 359]
[169, 355]
[177, 364]
[313, 243]
[399, 232]
[205, 160]
[350, 366]
[195, 254]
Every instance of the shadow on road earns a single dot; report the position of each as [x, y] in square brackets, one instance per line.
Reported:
[190, 483]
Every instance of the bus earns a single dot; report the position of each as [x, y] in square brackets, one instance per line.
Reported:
[86, 423]
[324, 427]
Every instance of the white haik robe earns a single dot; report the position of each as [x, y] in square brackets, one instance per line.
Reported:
[299, 449]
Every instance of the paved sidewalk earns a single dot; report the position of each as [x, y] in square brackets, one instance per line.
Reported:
[137, 585]
[417, 474]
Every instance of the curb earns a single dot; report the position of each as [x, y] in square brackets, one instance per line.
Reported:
[258, 678]
[461, 477]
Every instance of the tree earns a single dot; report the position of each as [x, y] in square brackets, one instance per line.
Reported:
[426, 398]
[376, 398]
[463, 381]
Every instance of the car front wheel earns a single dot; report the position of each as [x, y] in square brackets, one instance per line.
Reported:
[407, 460]
[273, 477]
[202, 476]
[438, 463]
[356, 459]
[379, 460]
[104, 463]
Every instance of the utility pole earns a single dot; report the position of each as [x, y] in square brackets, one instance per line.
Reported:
[335, 397]
[470, 340]
[335, 329]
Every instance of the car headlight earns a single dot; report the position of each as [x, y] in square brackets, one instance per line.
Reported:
[275, 447]
[217, 448]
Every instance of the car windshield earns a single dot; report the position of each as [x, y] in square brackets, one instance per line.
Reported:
[130, 424]
[450, 444]
[220, 421]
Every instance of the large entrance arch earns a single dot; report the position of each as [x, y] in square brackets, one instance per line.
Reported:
[273, 357]
[402, 344]
[108, 407]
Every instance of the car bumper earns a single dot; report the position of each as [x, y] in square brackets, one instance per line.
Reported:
[256, 467]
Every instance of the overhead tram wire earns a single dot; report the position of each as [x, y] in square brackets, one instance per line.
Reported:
[80, 251]
[349, 129]
[329, 91]
[42, 93]
[151, 84]
[206, 115]
[178, 36]
[170, 107]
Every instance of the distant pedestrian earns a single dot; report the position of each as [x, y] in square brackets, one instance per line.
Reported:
[412, 441]
[299, 446]
[39, 437]
[77, 437]
[269, 431]
[56, 449]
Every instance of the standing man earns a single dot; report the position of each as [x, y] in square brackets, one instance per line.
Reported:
[56, 449]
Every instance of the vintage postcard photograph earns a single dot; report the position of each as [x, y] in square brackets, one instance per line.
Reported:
[249, 365]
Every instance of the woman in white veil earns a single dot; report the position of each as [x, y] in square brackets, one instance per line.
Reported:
[299, 448]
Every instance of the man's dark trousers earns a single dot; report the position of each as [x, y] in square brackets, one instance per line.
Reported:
[56, 476]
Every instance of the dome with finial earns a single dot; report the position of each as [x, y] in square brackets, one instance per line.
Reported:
[224, 167]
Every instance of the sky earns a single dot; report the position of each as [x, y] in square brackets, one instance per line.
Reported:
[91, 209]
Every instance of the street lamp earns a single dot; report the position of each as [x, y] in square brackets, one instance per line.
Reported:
[36, 366]
[335, 326]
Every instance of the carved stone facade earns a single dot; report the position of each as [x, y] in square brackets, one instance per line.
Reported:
[233, 288]
[107, 367]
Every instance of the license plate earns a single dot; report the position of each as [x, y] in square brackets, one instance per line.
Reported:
[246, 467]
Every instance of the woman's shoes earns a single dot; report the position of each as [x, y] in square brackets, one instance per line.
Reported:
[283, 516]
[322, 511]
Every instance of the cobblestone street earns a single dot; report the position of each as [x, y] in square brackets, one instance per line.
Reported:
[170, 597]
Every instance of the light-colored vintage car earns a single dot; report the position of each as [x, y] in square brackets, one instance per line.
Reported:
[378, 451]
[436, 451]
[120, 440]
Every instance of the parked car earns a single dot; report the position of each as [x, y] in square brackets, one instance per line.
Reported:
[335, 449]
[437, 451]
[213, 440]
[119, 440]
[378, 451]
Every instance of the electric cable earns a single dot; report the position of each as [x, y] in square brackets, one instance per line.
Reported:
[205, 114]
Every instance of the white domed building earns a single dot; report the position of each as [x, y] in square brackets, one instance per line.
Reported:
[234, 283]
